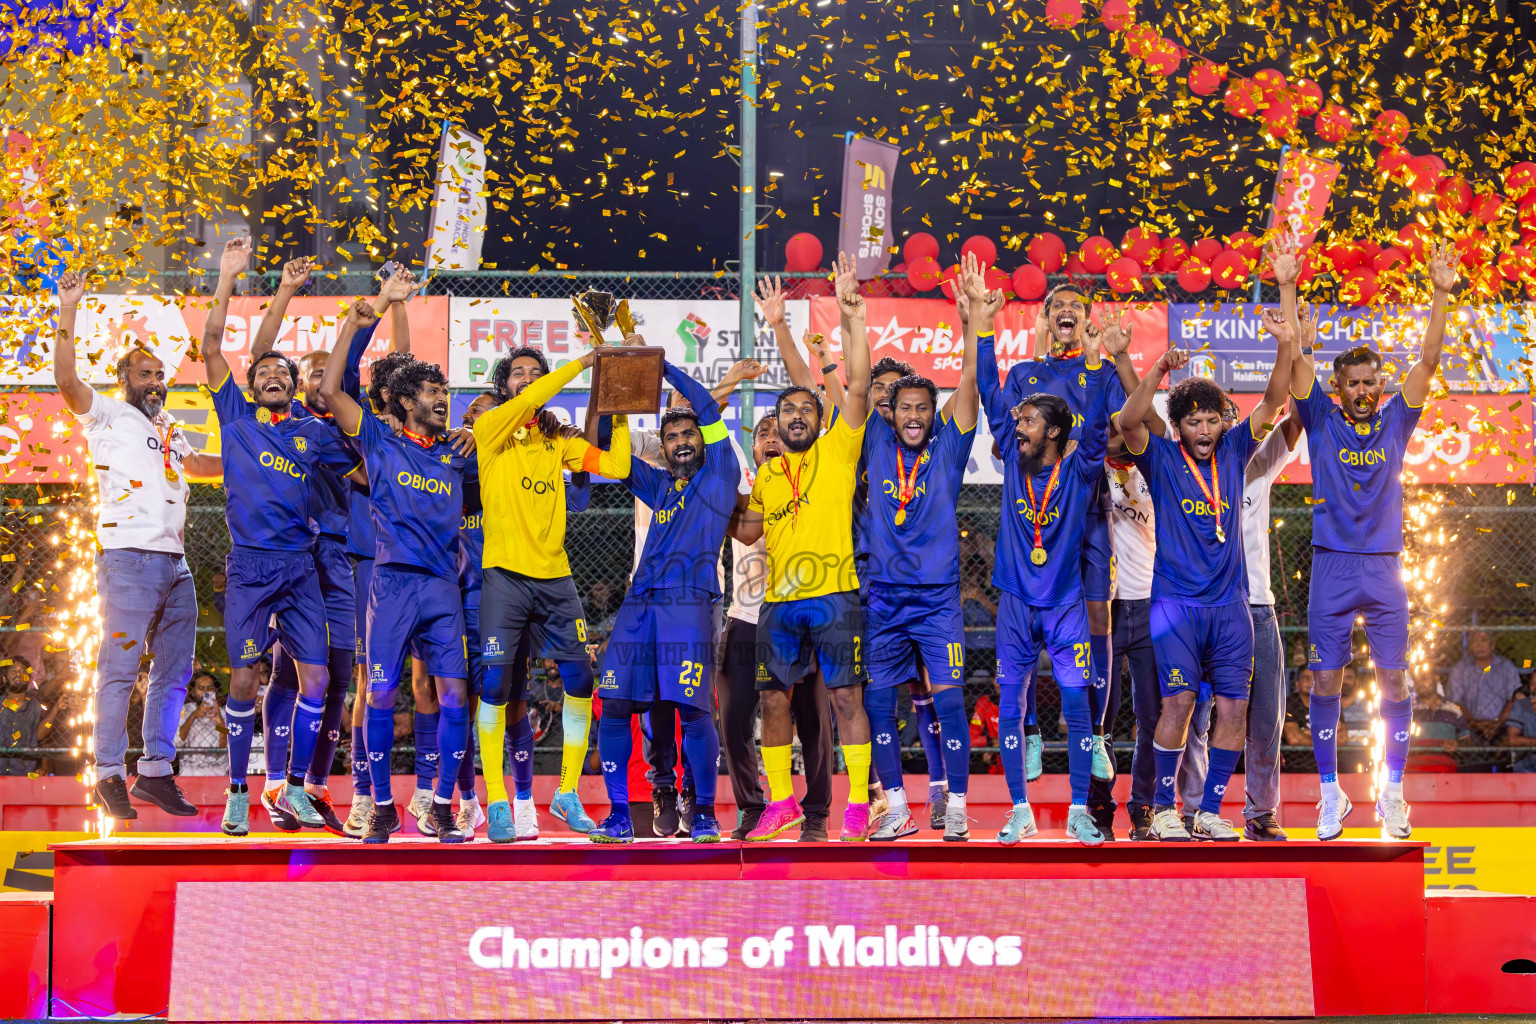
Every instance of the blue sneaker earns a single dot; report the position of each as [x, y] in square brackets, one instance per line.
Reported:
[1034, 766]
[1103, 763]
[616, 828]
[499, 814]
[1081, 826]
[567, 807]
[704, 828]
[1020, 825]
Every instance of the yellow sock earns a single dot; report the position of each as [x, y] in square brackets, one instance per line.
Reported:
[776, 763]
[491, 729]
[576, 719]
[857, 757]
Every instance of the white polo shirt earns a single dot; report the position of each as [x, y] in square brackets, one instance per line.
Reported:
[139, 507]
[1133, 529]
[1271, 457]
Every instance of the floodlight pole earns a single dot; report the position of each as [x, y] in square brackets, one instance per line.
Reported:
[748, 199]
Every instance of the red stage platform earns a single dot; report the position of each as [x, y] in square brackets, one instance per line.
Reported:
[1241, 926]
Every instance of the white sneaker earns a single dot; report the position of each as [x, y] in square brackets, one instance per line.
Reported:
[470, 817]
[1215, 827]
[1167, 826]
[957, 826]
[1331, 812]
[420, 808]
[1392, 809]
[356, 824]
[893, 825]
[525, 820]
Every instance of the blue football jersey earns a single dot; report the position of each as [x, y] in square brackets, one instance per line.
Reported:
[1357, 490]
[269, 469]
[416, 494]
[1192, 566]
[1067, 379]
[471, 547]
[688, 517]
[924, 548]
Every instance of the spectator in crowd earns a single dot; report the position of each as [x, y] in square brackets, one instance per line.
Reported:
[978, 609]
[602, 606]
[21, 718]
[202, 725]
[1481, 683]
[984, 721]
[1439, 726]
[1520, 727]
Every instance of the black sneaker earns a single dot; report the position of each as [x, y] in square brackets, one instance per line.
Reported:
[664, 819]
[814, 830]
[385, 820]
[447, 824]
[113, 794]
[282, 819]
[1264, 829]
[321, 802]
[746, 821]
[1141, 823]
[162, 791]
[1189, 823]
[685, 812]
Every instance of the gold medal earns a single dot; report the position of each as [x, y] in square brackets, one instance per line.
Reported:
[521, 433]
[679, 484]
[263, 414]
[1363, 429]
[170, 474]
[1038, 556]
[901, 516]
[1221, 535]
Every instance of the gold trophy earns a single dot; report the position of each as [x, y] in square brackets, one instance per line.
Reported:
[625, 380]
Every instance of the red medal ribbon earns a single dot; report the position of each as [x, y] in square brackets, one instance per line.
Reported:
[425, 442]
[907, 484]
[794, 484]
[1045, 503]
[1215, 499]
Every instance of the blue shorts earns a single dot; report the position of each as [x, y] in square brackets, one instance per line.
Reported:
[362, 579]
[412, 611]
[514, 607]
[1203, 647]
[1345, 585]
[472, 643]
[335, 571]
[796, 637]
[907, 623]
[1098, 558]
[1024, 630]
[663, 648]
[273, 586]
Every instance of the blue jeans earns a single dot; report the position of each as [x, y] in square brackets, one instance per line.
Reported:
[148, 606]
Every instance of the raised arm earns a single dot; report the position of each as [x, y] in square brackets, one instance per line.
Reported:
[821, 351]
[982, 307]
[1285, 260]
[705, 407]
[1442, 266]
[77, 393]
[1133, 417]
[295, 276]
[989, 385]
[1273, 402]
[399, 319]
[850, 304]
[742, 369]
[967, 338]
[344, 408]
[1095, 437]
[236, 257]
[770, 303]
[494, 428]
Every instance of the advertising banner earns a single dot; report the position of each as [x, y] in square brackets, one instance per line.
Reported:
[41, 442]
[457, 230]
[744, 949]
[1302, 190]
[869, 175]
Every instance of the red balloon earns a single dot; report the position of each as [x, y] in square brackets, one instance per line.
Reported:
[1369, 250]
[947, 282]
[1333, 123]
[1516, 261]
[1389, 258]
[1139, 244]
[1096, 252]
[1205, 77]
[1047, 250]
[919, 245]
[1123, 275]
[1117, 15]
[1173, 254]
[1526, 218]
[1486, 207]
[984, 248]
[1519, 179]
[1231, 269]
[1279, 117]
[1029, 282]
[1139, 37]
[1270, 82]
[1063, 13]
[924, 273]
[1194, 274]
[802, 253]
[1074, 266]
[1358, 287]
[998, 280]
[1392, 163]
[1247, 244]
[1308, 268]
[1207, 249]
[1412, 239]
[1455, 195]
[1390, 129]
[1309, 96]
[1163, 57]
[1423, 174]
[1473, 248]
[1342, 256]
[1242, 98]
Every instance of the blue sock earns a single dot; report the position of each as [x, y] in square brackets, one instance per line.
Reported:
[1074, 708]
[452, 732]
[467, 768]
[306, 732]
[1010, 740]
[1031, 720]
[701, 751]
[381, 743]
[928, 730]
[1323, 717]
[1098, 679]
[277, 729]
[1222, 764]
[362, 782]
[1167, 768]
[426, 728]
[880, 706]
[614, 747]
[521, 736]
[949, 706]
[240, 718]
[1397, 719]
[319, 771]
